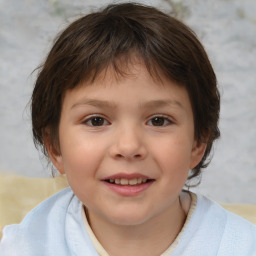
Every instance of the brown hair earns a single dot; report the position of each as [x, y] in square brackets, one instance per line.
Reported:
[98, 40]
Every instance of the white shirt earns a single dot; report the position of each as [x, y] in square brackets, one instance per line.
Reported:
[56, 227]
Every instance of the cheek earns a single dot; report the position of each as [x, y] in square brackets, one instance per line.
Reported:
[174, 154]
[175, 163]
[174, 158]
[81, 154]
[81, 164]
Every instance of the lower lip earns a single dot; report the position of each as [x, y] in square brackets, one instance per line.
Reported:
[129, 190]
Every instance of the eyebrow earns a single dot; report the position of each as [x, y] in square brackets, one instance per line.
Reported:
[95, 103]
[161, 103]
[109, 104]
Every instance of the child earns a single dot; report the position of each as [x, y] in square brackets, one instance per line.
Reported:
[126, 105]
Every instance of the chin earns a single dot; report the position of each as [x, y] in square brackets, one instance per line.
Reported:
[131, 219]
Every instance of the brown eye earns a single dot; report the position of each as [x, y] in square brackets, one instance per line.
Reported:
[96, 121]
[159, 121]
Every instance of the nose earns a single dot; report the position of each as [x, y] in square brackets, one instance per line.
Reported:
[128, 144]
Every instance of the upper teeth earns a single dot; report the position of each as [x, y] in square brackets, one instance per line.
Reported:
[132, 182]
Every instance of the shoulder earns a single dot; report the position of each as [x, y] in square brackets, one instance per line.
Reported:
[213, 231]
[213, 210]
[46, 220]
[56, 204]
[237, 235]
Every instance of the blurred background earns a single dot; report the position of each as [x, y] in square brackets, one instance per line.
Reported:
[227, 28]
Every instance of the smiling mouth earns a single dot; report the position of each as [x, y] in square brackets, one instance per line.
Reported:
[128, 185]
[128, 182]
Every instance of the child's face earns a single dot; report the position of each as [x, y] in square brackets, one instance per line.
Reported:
[132, 130]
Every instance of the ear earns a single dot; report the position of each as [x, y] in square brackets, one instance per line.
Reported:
[54, 154]
[197, 153]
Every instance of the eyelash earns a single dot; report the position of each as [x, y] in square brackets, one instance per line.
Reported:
[102, 121]
[167, 121]
[90, 119]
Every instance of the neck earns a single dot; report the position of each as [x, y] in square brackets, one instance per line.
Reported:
[150, 238]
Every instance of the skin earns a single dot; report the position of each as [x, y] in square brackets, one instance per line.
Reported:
[143, 127]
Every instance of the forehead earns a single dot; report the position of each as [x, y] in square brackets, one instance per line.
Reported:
[136, 86]
[123, 66]
[128, 67]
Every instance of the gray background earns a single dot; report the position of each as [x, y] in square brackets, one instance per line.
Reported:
[227, 29]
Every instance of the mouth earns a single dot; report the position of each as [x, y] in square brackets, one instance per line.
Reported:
[128, 182]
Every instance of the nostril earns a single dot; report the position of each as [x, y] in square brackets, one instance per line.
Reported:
[136, 156]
